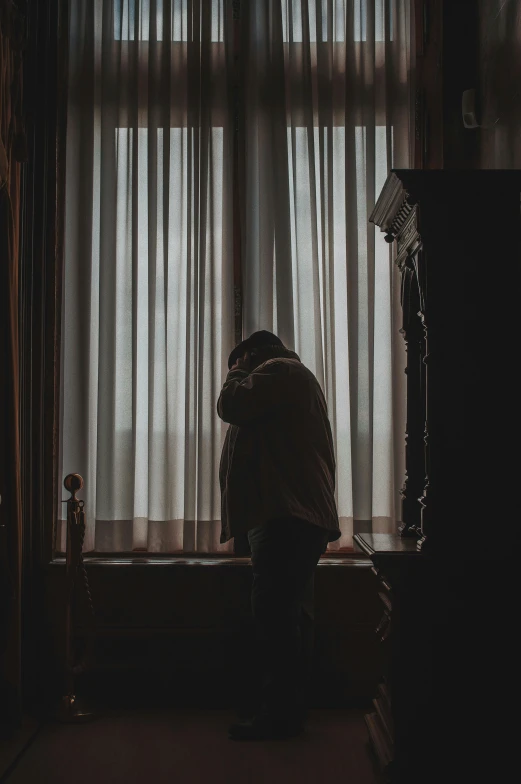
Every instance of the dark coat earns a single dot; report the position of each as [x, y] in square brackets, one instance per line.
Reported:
[278, 457]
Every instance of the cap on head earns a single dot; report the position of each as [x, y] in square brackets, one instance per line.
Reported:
[257, 339]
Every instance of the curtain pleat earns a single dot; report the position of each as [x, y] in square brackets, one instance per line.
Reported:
[149, 254]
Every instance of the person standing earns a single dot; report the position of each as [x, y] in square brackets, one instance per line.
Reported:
[277, 479]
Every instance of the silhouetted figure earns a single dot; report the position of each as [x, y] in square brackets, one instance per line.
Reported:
[277, 477]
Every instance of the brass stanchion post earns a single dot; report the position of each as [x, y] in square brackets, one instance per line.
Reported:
[69, 710]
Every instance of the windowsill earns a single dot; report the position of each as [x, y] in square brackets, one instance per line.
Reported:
[344, 559]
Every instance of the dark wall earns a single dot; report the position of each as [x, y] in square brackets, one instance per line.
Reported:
[460, 53]
[446, 64]
[464, 45]
[166, 633]
[499, 72]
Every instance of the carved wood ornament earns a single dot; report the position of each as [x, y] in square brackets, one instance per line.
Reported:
[396, 213]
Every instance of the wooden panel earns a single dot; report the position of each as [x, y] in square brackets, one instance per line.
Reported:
[185, 633]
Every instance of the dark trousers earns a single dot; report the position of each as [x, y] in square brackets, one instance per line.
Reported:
[284, 555]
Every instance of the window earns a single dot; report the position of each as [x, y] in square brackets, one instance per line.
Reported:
[151, 241]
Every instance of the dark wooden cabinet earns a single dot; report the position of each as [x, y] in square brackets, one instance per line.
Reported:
[447, 581]
[458, 246]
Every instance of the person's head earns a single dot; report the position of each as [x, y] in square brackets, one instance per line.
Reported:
[261, 346]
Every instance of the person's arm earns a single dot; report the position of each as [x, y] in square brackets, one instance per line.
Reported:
[245, 397]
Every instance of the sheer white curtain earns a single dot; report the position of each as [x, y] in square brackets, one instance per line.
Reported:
[148, 281]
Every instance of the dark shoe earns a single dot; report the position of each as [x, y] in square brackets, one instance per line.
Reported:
[263, 728]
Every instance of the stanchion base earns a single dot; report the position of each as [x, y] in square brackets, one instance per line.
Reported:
[70, 712]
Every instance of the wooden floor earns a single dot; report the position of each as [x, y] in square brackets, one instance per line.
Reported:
[193, 746]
